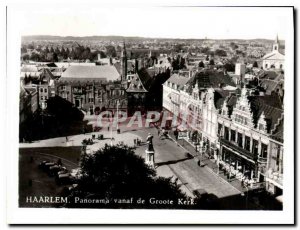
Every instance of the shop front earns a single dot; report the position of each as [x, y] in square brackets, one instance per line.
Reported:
[237, 165]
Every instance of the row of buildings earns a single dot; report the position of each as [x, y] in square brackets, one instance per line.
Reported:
[132, 84]
[241, 128]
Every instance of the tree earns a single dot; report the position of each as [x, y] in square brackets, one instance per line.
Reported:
[178, 48]
[221, 53]
[205, 50]
[115, 172]
[233, 45]
[35, 57]
[55, 57]
[201, 64]
[212, 62]
[111, 51]
[255, 65]
[25, 57]
[229, 67]
[23, 50]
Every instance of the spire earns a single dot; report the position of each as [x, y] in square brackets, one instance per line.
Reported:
[276, 44]
[277, 40]
[123, 54]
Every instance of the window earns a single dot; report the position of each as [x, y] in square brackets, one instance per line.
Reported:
[264, 150]
[255, 147]
[247, 143]
[226, 134]
[42, 98]
[240, 140]
[233, 133]
[45, 97]
[219, 129]
[45, 90]
[41, 90]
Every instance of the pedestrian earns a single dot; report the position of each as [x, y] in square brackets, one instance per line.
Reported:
[66, 138]
[107, 128]
[134, 141]
[158, 132]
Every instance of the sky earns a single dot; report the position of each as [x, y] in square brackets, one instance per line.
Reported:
[166, 22]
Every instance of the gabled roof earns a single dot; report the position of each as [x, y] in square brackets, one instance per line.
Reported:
[141, 82]
[277, 132]
[270, 105]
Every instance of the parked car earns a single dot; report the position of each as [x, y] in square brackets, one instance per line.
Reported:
[53, 170]
[42, 164]
[47, 166]
[63, 179]
[63, 170]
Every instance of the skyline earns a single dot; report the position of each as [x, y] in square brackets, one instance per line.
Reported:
[132, 36]
[153, 22]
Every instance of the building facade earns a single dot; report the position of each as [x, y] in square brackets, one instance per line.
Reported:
[275, 59]
[244, 129]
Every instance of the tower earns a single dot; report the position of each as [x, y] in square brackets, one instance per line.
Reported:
[123, 63]
[276, 44]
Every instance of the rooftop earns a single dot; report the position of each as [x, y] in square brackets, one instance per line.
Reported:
[178, 79]
[102, 72]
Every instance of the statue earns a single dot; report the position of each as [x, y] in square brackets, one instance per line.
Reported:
[150, 142]
[150, 151]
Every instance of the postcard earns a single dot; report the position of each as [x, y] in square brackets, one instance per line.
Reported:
[168, 115]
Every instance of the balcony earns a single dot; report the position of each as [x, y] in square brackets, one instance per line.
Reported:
[234, 146]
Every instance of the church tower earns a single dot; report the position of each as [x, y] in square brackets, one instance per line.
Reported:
[123, 63]
[276, 45]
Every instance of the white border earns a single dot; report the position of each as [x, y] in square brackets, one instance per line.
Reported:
[67, 216]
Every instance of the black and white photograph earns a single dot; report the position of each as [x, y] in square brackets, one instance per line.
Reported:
[150, 110]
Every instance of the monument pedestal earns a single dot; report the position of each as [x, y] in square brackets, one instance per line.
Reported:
[150, 158]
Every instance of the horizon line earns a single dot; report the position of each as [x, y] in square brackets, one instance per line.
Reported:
[132, 36]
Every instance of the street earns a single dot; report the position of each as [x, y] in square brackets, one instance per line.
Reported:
[171, 159]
